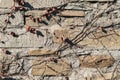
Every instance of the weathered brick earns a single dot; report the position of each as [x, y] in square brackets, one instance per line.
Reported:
[72, 13]
[73, 22]
[62, 67]
[94, 61]
[102, 40]
[35, 13]
[41, 52]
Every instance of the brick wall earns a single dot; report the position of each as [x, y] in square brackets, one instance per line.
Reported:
[60, 39]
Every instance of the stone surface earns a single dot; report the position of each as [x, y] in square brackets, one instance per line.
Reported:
[100, 39]
[4, 11]
[41, 52]
[94, 61]
[73, 22]
[37, 14]
[45, 3]
[51, 68]
[31, 57]
[16, 21]
[70, 13]
[99, 0]
[55, 19]
[60, 36]
[92, 74]
[106, 76]
[6, 3]
[24, 40]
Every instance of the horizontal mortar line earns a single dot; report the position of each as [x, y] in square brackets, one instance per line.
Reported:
[62, 9]
[43, 47]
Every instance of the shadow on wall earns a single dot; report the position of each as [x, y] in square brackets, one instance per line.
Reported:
[8, 79]
[28, 5]
[39, 33]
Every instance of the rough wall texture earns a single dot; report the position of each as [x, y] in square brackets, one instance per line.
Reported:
[60, 39]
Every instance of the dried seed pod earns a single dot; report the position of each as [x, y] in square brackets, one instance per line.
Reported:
[48, 15]
[102, 29]
[33, 30]
[7, 21]
[21, 8]
[54, 60]
[51, 59]
[49, 10]
[4, 28]
[14, 8]
[22, 2]
[13, 34]
[6, 51]
[63, 38]
[54, 9]
[39, 20]
[44, 15]
[9, 14]
[32, 18]
[28, 28]
[2, 42]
